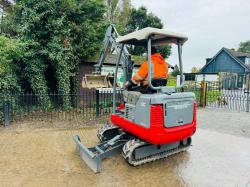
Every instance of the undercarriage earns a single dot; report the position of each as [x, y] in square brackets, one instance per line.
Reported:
[135, 151]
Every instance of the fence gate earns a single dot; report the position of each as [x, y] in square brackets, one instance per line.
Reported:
[229, 93]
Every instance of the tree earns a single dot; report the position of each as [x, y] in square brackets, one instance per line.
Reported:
[176, 71]
[118, 13]
[139, 19]
[245, 47]
[195, 70]
[4, 6]
[57, 34]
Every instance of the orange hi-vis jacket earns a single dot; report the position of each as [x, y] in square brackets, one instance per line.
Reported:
[159, 68]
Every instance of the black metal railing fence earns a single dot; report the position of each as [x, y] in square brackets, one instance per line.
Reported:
[29, 106]
[196, 88]
[228, 95]
[92, 104]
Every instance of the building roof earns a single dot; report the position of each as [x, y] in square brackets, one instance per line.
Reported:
[237, 53]
[234, 54]
[159, 37]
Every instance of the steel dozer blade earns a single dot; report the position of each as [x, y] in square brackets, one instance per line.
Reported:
[87, 155]
[95, 81]
[94, 155]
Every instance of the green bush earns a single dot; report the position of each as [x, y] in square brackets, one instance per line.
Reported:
[171, 82]
[57, 35]
[11, 53]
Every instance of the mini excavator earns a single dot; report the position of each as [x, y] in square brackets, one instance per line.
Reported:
[145, 127]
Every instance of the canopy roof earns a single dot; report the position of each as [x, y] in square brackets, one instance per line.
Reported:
[159, 37]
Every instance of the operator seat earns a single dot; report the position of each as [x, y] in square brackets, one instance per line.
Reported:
[131, 97]
[159, 82]
[146, 89]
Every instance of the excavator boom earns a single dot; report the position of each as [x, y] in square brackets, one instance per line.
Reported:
[99, 80]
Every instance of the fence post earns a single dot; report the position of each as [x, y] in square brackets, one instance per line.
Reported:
[97, 94]
[248, 96]
[248, 102]
[203, 93]
[6, 112]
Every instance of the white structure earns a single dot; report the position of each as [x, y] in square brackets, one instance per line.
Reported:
[198, 78]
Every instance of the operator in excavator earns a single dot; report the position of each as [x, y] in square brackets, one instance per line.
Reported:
[139, 80]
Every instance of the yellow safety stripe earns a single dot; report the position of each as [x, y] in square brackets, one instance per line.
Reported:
[138, 76]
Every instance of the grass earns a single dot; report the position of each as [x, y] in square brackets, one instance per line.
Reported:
[171, 82]
[138, 59]
[212, 95]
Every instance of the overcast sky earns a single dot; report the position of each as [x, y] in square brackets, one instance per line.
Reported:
[209, 25]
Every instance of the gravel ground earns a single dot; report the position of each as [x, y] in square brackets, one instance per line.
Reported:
[44, 156]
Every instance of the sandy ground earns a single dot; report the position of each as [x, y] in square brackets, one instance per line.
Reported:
[46, 157]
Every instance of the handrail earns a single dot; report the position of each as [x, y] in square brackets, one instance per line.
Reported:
[115, 78]
[150, 66]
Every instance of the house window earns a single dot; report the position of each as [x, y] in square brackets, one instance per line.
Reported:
[189, 77]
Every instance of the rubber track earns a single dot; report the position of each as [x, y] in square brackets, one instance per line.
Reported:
[102, 130]
[131, 145]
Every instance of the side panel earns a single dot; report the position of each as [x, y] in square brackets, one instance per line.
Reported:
[130, 112]
[142, 113]
[137, 109]
[178, 112]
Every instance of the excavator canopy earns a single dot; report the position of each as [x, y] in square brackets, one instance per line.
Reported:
[158, 36]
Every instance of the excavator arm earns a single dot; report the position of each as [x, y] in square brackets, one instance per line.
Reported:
[110, 45]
